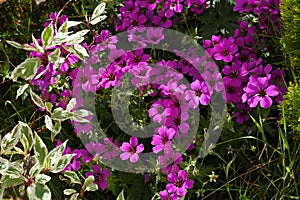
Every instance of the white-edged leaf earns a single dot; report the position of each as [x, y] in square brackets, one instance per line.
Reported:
[48, 122]
[37, 99]
[73, 23]
[48, 106]
[35, 170]
[74, 196]
[71, 104]
[68, 192]
[98, 10]
[37, 45]
[64, 27]
[26, 70]
[21, 90]
[62, 163]
[56, 129]
[10, 140]
[60, 114]
[81, 50]
[42, 178]
[121, 196]
[77, 37]
[26, 136]
[8, 181]
[55, 155]
[98, 19]
[38, 191]
[47, 36]
[73, 177]
[40, 150]
[88, 181]
[26, 47]
[3, 165]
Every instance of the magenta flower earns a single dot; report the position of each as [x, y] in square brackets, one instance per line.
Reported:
[234, 75]
[100, 176]
[149, 4]
[177, 119]
[179, 183]
[95, 148]
[64, 100]
[154, 36]
[105, 41]
[131, 150]
[160, 109]
[111, 76]
[163, 138]
[172, 6]
[225, 50]
[243, 112]
[112, 149]
[200, 94]
[259, 90]
[170, 160]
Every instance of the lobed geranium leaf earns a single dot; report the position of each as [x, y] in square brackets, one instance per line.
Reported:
[26, 70]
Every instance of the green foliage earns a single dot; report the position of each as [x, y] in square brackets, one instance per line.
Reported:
[290, 12]
[290, 109]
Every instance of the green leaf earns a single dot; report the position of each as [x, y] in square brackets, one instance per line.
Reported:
[26, 136]
[77, 37]
[81, 50]
[10, 140]
[88, 181]
[36, 44]
[98, 10]
[56, 129]
[35, 170]
[3, 165]
[48, 106]
[74, 196]
[62, 163]
[55, 58]
[21, 90]
[8, 182]
[92, 187]
[55, 155]
[48, 122]
[38, 191]
[73, 177]
[69, 191]
[14, 170]
[47, 36]
[42, 178]
[98, 19]
[71, 104]
[74, 51]
[64, 27]
[40, 150]
[37, 99]
[121, 196]
[26, 70]
[60, 114]
[26, 47]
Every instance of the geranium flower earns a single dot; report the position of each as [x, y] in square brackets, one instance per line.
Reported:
[163, 138]
[131, 150]
[259, 90]
[225, 50]
[179, 183]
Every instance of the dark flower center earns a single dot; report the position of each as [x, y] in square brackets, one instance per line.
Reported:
[133, 149]
[234, 74]
[177, 121]
[198, 93]
[262, 92]
[225, 52]
[111, 77]
[179, 183]
[83, 79]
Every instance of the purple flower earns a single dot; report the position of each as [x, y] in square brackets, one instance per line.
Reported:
[170, 160]
[95, 148]
[160, 109]
[200, 94]
[234, 75]
[259, 90]
[179, 183]
[105, 41]
[149, 4]
[172, 6]
[243, 112]
[100, 176]
[177, 119]
[225, 50]
[112, 149]
[163, 138]
[154, 36]
[110, 76]
[131, 150]
[65, 97]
